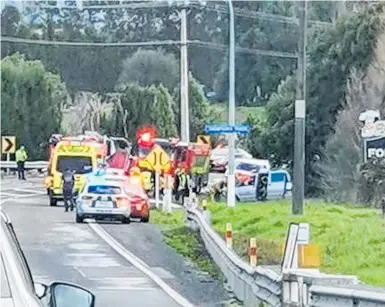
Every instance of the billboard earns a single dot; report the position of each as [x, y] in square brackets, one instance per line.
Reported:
[374, 148]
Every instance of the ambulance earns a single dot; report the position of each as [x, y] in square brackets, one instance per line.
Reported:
[74, 155]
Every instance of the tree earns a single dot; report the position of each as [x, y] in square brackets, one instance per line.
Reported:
[273, 137]
[140, 106]
[333, 53]
[343, 175]
[162, 112]
[201, 112]
[150, 67]
[32, 100]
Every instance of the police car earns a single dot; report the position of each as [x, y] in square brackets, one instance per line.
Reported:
[104, 197]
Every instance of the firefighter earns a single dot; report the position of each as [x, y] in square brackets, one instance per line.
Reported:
[218, 189]
[183, 185]
[68, 185]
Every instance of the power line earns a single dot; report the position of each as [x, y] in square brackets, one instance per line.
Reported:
[260, 15]
[161, 4]
[149, 43]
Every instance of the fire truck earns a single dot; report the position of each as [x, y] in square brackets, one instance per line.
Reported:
[192, 157]
[81, 154]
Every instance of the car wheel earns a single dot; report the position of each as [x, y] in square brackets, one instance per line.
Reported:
[145, 219]
[79, 219]
[126, 220]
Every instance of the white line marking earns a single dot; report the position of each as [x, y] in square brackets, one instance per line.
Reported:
[80, 271]
[126, 288]
[95, 262]
[86, 255]
[135, 261]
[131, 280]
[30, 191]
[15, 197]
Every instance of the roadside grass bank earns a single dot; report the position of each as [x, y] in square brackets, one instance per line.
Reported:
[351, 239]
[185, 241]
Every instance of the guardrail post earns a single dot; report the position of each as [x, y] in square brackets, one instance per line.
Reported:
[229, 235]
[253, 252]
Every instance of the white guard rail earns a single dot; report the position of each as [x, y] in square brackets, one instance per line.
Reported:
[306, 287]
[260, 286]
[253, 286]
[28, 164]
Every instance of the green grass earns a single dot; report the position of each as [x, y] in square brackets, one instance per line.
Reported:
[351, 239]
[241, 113]
[184, 241]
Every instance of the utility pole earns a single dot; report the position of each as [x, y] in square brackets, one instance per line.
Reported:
[300, 113]
[231, 176]
[184, 83]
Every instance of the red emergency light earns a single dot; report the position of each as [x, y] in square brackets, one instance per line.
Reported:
[146, 136]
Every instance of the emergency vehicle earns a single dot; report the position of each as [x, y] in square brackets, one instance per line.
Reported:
[193, 158]
[81, 154]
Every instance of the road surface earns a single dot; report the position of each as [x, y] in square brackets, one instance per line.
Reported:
[121, 264]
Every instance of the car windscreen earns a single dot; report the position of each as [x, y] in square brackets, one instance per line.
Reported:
[165, 146]
[80, 165]
[143, 151]
[104, 189]
[248, 167]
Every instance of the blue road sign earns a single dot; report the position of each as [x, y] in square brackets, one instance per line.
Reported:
[241, 129]
[218, 129]
[225, 129]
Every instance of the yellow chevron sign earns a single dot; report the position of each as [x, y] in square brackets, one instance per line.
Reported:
[8, 144]
[204, 139]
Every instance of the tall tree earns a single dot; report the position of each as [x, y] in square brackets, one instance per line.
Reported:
[148, 67]
[139, 106]
[333, 53]
[32, 100]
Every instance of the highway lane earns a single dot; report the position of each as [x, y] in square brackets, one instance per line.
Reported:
[59, 249]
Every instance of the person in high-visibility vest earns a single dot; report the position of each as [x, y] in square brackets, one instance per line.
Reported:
[21, 157]
[147, 181]
[135, 177]
[183, 185]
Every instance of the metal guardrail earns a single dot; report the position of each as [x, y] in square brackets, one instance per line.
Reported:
[263, 287]
[28, 164]
[253, 286]
[343, 296]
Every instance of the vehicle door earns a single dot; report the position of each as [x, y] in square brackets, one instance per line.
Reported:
[288, 185]
[277, 184]
[246, 192]
[18, 274]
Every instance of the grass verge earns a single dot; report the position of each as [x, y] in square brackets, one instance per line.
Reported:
[184, 241]
[351, 239]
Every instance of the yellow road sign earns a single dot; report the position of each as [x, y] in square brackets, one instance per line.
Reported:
[204, 139]
[309, 256]
[158, 159]
[8, 144]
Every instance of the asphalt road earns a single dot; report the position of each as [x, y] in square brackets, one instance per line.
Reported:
[122, 264]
